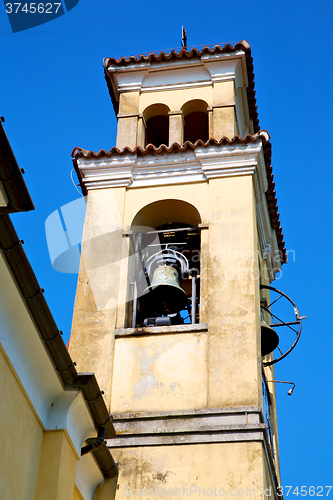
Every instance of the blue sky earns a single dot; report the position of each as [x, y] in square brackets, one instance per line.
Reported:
[54, 97]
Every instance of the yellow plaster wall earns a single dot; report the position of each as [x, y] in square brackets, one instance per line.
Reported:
[175, 99]
[129, 103]
[229, 286]
[95, 311]
[103, 263]
[224, 93]
[222, 123]
[233, 346]
[21, 439]
[225, 466]
[166, 372]
[107, 490]
[196, 194]
[176, 128]
[269, 482]
[56, 478]
[77, 495]
[127, 135]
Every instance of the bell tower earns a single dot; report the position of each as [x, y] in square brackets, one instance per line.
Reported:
[181, 237]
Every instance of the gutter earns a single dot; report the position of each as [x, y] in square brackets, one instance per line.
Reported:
[19, 199]
[33, 296]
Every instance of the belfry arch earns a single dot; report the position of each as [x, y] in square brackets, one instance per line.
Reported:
[166, 240]
[195, 114]
[156, 121]
[165, 211]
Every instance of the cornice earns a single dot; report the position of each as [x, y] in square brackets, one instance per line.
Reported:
[188, 163]
[204, 72]
[208, 426]
[113, 172]
[197, 165]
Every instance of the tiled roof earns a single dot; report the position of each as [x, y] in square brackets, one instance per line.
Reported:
[176, 148]
[189, 54]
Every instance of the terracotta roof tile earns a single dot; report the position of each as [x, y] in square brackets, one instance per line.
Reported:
[173, 55]
[176, 148]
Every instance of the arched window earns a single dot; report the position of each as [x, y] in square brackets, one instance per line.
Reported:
[166, 272]
[157, 124]
[195, 120]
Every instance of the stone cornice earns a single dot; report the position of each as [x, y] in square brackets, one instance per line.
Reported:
[188, 427]
[192, 427]
[192, 165]
[201, 164]
[204, 71]
[113, 172]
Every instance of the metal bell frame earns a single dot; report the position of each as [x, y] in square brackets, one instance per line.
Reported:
[184, 269]
[277, 322]
[168, 256]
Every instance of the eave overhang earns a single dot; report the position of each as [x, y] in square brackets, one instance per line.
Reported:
[15, 196]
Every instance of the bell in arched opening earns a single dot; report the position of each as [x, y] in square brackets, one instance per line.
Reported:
[164, 295]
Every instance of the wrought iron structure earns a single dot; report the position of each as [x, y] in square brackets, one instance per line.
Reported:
[171, 245]
[277, 322]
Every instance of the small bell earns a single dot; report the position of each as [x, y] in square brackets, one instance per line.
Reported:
[269, 337]
[164, 295]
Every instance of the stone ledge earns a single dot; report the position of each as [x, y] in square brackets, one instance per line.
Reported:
[184, 413]
[188, 427]
[184, 422]
[160, 330]
[223, 436]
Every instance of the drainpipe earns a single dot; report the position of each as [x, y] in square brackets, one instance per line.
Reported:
[94, 443]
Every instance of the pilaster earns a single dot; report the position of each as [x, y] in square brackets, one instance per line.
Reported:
[176, 127]
[57, 468]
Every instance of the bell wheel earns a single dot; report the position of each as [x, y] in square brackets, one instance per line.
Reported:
[282, 315]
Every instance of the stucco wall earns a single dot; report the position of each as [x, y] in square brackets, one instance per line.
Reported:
[220, 99]
[224, 466]
[21, 438]
[229, 285]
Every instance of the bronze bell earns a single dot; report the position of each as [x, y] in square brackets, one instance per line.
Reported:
[164, 295]
[269, 338]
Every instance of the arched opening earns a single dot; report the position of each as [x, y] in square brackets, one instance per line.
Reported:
[166, 271]
[165, 211]
[157, 124]
[195, 120]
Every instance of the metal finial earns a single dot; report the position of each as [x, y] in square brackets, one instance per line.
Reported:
[184, 38]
